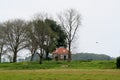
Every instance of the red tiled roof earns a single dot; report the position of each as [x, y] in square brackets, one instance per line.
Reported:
[61, 50]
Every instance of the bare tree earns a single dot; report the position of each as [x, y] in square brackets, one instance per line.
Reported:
[33, 45]
[39, 34]
[70, 20]
[15, 36]
[2, 40]
[42, 32]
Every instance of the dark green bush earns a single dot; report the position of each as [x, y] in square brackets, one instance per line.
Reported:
[118, 62]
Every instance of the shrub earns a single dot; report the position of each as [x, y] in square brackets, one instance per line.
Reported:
[118, 62]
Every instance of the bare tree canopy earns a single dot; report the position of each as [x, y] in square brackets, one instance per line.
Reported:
[70, 20]
[33, 45]
[15, 36]
[2, 40]
[42, 34]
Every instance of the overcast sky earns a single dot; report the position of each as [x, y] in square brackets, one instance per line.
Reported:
[100, 29]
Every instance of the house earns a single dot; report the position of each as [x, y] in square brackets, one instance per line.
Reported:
[60, 54]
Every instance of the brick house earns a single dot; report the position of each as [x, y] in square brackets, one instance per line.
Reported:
[60, 54]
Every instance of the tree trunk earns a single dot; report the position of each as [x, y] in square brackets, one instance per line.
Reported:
[69, 54]
[40, 62]
[15, 57]
[32, 57]
[0, 57]
[47, 54]
[41, 57]
[1, 53]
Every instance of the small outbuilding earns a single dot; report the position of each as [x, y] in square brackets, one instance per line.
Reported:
[60, 54]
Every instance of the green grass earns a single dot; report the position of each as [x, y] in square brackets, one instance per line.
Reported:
[60, 74]
[59, 65]
[62, 70]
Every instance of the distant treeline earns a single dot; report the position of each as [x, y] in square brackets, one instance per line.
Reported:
[90, 56]
[78, 56]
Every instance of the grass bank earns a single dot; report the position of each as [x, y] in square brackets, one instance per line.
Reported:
[59, 65]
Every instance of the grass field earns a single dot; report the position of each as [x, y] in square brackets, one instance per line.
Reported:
[51, 70]
[59, 65]
[60, 74]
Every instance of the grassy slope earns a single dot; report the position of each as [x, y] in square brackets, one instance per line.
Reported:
[60, 65]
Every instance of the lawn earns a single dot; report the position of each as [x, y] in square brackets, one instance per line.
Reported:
[61, 74]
